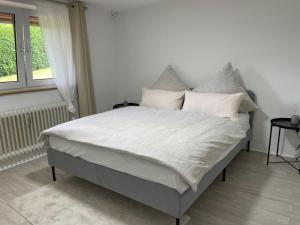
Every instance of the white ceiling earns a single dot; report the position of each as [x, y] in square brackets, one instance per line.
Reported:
[122, 5]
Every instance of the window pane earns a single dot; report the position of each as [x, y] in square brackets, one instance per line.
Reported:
[40, 66]
[8, 57]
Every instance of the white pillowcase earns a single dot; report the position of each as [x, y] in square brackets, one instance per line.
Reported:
[170, 81]
[222, 105]
[162, 99]
[228, 81]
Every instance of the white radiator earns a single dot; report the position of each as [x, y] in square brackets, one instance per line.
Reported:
[20, 129]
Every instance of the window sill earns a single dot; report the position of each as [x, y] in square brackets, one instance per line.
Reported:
[28, 89]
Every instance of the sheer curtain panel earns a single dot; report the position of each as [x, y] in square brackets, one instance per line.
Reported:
[55, 25]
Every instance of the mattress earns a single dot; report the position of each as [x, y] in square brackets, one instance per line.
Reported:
[129, 164]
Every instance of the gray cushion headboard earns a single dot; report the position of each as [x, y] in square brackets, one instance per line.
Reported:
[253, 97]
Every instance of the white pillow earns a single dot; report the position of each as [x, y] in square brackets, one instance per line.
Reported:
[162, 99]
[170, 81]
[222, 105]
[228, 81]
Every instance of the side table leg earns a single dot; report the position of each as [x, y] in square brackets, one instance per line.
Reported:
[270, 139]
[278, 142]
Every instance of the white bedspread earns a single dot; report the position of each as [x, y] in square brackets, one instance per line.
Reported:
[187, 143]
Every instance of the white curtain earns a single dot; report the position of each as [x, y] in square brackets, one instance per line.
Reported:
[55, 26]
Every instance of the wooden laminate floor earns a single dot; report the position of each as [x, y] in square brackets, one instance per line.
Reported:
[253, 193]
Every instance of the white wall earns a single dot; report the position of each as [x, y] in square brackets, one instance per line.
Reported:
[15, 101]
[260, 37]
[101, 33]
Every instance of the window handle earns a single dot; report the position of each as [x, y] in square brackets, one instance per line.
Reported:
[28, 48]
[23, 50]
[22, 47]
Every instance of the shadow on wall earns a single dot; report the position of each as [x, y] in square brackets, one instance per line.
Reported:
[272, 107]
[289, 140]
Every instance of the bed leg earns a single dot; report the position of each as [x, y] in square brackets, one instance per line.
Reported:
[224, 175]
[53, 173]
[248, 146]
[177, 221]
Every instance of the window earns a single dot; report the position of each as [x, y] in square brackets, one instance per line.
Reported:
[8, 64]
[40, 64]
[23, 59]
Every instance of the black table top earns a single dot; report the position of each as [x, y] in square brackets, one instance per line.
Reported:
[285, 123]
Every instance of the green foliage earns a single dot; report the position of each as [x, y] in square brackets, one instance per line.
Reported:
[8, 51]
[39, 57]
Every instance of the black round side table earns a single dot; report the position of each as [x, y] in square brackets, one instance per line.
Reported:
[124, 105]
[282, 123]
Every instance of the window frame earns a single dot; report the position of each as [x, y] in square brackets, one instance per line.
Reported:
[30, 81]
[20, 63]
[23, 51]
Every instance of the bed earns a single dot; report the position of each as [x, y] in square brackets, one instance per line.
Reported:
[149, 182]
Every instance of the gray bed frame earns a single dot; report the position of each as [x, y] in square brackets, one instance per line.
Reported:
[155, 195]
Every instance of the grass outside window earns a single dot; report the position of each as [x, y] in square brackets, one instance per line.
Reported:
[40, 74]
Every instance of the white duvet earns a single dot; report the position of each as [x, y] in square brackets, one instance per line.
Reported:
[188, 143]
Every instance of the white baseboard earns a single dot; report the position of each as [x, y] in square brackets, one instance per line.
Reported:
[271, 153]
